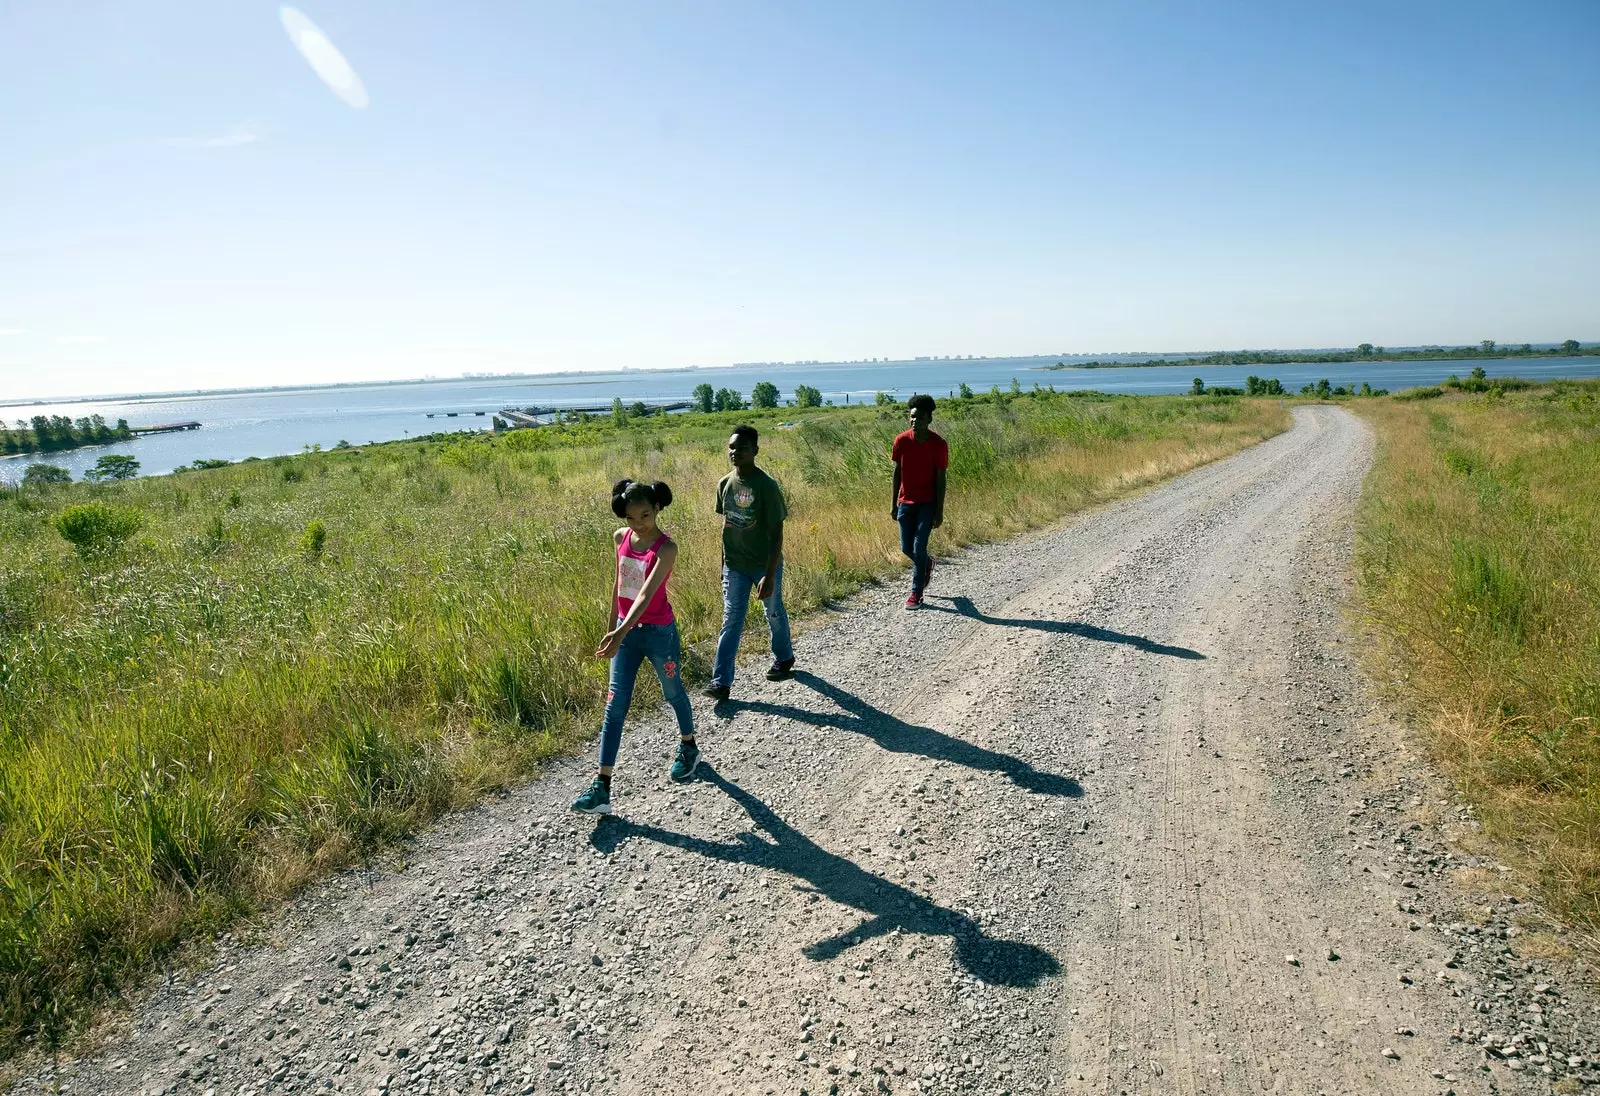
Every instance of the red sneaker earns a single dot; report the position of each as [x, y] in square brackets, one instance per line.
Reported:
[913, 602]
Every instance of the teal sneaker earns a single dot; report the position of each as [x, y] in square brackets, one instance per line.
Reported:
[597, 800]
[684, 765]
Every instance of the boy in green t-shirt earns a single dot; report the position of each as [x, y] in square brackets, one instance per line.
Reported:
[752, 509]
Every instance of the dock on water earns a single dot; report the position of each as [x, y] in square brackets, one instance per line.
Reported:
[518, 418]
[165, 428]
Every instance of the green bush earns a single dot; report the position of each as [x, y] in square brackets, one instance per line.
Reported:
[312, 540]
[45, 475]
[93, 526]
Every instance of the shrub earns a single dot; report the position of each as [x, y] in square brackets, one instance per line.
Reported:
[93, 526]
[312, 540]
[113, 466]
[43, 475]
[1419, 394]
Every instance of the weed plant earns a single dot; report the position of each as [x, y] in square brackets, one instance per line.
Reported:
[260, 672]
[1480, 554]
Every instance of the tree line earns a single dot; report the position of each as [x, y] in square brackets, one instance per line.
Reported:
[53, 433]
[1365, 352]
[763, 396]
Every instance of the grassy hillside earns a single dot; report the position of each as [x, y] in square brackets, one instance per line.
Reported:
[1480, 554]
[246, 676]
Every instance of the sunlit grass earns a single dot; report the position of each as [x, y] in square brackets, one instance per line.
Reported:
[1480, 553]
[286, 662]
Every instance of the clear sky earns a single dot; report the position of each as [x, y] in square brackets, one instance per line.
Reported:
[532, 185]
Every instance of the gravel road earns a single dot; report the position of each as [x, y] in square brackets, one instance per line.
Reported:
[1116, 813]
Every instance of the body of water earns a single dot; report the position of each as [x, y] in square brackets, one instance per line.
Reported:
[265, 424]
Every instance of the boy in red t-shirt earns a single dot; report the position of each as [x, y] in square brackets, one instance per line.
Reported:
[920, 458]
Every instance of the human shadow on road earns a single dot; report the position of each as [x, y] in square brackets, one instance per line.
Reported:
[898, 736]
[888, 905]
[964, 606]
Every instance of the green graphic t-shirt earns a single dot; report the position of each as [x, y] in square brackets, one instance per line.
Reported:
[752, 511]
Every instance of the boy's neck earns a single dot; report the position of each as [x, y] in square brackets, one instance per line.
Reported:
[744, 470]
[920, 433]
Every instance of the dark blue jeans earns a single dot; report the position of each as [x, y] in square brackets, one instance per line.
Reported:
[659, 644]
[736, 587]
[916, 525]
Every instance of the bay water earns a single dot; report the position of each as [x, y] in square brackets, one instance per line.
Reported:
[272, 422]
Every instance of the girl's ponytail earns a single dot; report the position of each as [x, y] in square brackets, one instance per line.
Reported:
[619, 497]
[662, 493]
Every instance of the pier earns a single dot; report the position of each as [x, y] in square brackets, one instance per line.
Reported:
[521, 417]
[165, 428]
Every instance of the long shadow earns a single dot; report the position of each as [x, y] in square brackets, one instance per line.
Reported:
[888, 905]
[898, 736]
[964, 606]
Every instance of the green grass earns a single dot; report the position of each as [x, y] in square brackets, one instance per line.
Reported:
[1480, 554]
[266, 670]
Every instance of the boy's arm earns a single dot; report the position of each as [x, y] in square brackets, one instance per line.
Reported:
[776, 511]
[938, 498]
[894, 495]
[769, 580]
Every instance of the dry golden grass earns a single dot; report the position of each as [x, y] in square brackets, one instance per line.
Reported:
[1480, 557]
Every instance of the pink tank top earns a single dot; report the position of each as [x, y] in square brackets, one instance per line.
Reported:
[632, 570]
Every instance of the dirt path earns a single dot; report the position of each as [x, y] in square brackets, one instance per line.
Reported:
[1062, 831]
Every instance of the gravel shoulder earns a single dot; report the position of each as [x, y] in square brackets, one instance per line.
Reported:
[1116, 813]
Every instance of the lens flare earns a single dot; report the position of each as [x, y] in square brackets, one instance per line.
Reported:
[323, 57]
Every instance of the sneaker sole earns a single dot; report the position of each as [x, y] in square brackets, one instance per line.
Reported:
[604, 808]
[687, 775]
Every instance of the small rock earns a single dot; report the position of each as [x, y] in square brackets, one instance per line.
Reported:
[1390, 1052]
[1292, 960]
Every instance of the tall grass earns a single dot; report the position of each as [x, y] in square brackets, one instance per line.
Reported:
[288, 661]
[1480, 553]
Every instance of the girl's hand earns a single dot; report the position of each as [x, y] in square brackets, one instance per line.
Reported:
[608, 645]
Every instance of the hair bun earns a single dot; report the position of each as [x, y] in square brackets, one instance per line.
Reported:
[625, 491]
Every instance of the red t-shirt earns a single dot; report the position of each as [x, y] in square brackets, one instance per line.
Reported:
[918, 461]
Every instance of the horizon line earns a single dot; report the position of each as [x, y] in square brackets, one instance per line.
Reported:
[33, 401]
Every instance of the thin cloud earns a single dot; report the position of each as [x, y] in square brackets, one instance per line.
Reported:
[323, 57]
[240, 135]
[12, 331]
[69, 339]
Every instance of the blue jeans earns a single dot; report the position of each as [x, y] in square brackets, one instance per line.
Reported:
[658, 643]
[736, 587]
[916, 525]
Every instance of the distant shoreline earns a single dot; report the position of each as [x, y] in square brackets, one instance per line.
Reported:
[563, 377]
[1342, 357]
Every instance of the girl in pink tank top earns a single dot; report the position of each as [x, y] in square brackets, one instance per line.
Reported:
[643, 627]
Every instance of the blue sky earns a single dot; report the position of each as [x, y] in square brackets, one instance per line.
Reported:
[183, 203]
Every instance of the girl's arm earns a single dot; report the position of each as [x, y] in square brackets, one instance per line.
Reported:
[616, 577]
[652, 582]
